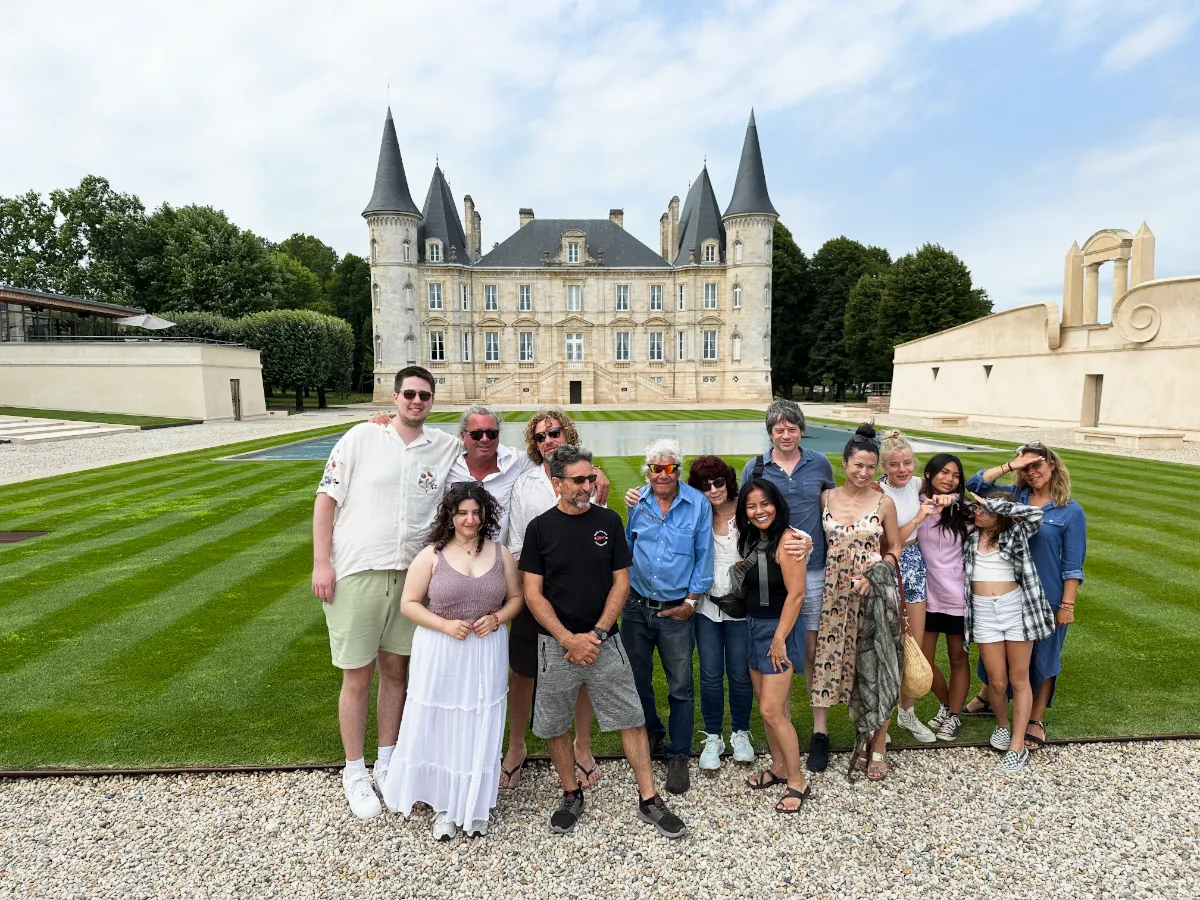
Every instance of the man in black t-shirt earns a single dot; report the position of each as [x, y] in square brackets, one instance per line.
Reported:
[576, 565]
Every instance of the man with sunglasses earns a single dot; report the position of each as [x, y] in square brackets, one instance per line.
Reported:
[379, 492]
[670, 535]
[489, 462]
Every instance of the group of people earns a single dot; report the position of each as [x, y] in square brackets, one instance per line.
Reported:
[426, 544]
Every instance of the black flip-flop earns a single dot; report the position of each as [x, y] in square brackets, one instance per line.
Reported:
[793, 794]
[587, 774]
[759, 782]
[1038, 743]
[509, 773]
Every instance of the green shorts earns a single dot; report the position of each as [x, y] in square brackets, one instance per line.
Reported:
[364, 618]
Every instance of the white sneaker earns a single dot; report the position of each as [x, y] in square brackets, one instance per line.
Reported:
[361, 795]
[477, 828]
[743, 748]
[908, 720]
[379, 774]
[939, 720]
[1000, 738]
[710, 756]
[444, 828]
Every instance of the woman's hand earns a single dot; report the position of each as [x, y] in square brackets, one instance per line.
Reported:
[1065, 615]
[797, 543]
[778, 654]
[485, 625]
[457, 629]
[1023, 460]
[632, 496]
[382, 418]
[860, 585]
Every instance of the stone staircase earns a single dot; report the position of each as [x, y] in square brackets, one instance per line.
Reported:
[16, 430]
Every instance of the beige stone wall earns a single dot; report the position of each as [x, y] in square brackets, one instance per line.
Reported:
[138, 378]
[1022, 367]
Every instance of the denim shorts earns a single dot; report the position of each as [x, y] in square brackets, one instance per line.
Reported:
[760, 633]
[995, 619]
[814, 596]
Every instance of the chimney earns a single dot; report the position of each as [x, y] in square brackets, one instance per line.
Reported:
[662, 237]
[617, 217]
[524, 216]
[469, 221]
[478, 235]
[673, 228]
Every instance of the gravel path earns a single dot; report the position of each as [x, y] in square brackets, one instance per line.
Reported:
[1085, 821]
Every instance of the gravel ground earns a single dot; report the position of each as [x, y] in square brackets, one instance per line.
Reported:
[1084, 821]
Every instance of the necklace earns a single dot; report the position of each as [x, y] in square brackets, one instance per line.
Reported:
[466, 546]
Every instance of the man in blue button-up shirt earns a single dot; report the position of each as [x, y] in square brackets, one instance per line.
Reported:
[670, 535]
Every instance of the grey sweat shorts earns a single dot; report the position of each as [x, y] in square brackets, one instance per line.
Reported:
[609, 682]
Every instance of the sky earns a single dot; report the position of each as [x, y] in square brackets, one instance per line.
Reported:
[1001, 130]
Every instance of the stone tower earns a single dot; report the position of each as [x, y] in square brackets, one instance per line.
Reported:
[749, 225]
[392, 221]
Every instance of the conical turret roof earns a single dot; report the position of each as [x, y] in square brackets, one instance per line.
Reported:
[440, 220]
[391, 186]
[750, 189]
[700, 221]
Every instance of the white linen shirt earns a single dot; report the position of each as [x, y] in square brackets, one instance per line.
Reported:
[513, 463]
[387, 493]
[532, 495]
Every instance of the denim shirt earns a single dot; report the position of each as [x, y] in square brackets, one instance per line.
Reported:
[802, 491]
[672, 555]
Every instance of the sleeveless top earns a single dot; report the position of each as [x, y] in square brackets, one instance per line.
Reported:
[849, 549]
[453, 595]
[907, 500]
[776, 589]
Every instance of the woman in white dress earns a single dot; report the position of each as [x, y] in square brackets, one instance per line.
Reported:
[459, 590]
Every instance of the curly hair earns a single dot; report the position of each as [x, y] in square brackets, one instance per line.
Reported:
[707, 468]
[441, 532]
[570, 435]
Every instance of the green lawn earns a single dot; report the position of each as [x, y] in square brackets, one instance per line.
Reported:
[167, 619]
[105, 418]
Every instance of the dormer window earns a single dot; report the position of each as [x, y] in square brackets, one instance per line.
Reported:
[433, 251]
[572, 251]
[710, 252]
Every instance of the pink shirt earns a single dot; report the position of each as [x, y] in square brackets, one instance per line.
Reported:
[944, 575]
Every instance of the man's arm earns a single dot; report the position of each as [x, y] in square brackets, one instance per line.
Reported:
[581, 648]
[323, 577]
[615, 602]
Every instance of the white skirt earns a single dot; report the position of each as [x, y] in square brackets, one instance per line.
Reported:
[452, 733]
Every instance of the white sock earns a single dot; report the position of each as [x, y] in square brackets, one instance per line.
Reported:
[354, 767]
[385, 755]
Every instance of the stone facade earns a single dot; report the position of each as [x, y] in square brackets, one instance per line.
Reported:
[574, 310]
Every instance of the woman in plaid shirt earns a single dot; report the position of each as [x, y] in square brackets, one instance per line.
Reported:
[1006, 612]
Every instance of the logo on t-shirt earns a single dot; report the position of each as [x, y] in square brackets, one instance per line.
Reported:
[427, 482]
[601, 538]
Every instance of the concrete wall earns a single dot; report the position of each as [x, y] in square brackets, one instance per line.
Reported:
[146, 378]
[1042, 373]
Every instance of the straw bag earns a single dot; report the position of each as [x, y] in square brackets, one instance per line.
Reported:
[916, 679]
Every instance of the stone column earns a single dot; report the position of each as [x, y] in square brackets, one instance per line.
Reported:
[1120, 281]
[1091, 293]
[1072, 311]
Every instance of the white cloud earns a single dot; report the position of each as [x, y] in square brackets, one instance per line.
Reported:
[1159, 34]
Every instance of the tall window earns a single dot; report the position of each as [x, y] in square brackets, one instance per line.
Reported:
[490, 303]
[437, 347]
[375, 295]
[622, 298]
[572, 252]
[464, 296]
[406, 251]
[467, 341]
[656, 298]
[681, 297]
[374, 250]
[525, 343]
[491, 346]
[737, 251]
[710, 295]
[525, 298]
[767, 295]
[434, 252]
[681, 345]
[710, 253]
[574, 346]
[737, 296]
[656, 346]
[574, 297]
[408, 298]
[622, 346]
[710, 345]
[737, 348]
[435, 295]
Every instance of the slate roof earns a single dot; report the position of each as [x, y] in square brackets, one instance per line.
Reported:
[391, 186]
[440, 220]
[29, 297]
[700, 221]
[526, 246]
[750, 189]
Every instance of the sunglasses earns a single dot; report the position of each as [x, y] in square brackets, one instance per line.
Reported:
[1034, 447]
[479, 433]
[667, 469]
[579, 479]
[714, 484]
[540, 436]
[425, 396]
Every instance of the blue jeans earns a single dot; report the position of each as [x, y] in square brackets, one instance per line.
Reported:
[643, 631]
[722, 649]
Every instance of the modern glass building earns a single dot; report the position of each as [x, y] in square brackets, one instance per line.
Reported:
[27, 315]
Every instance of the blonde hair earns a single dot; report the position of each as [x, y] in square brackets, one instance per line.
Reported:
[893, 440]
[1060, 479]
[570, 436]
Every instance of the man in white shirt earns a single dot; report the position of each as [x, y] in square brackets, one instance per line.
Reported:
[379, 492]
[489, 462]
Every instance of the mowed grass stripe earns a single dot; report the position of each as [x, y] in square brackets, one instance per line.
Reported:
[121, 659]
[41, 499]
[1138, 604]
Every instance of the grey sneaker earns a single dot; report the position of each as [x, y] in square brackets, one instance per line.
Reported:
[710, 756]
[654, 812]
[444, 828]
[1000, 738]
[1014, 762]
[743, 747]
[949, 729]
[906, 718]
[678, 777]
[568, 812]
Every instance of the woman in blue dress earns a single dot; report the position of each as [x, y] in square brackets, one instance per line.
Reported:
[1041, 479]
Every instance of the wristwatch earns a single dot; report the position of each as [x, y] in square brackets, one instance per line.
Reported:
[600, 633]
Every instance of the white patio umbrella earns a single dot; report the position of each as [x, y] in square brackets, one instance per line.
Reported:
[145, 320]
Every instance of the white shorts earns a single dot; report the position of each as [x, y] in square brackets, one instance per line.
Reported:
[814, 597]
[996, 619]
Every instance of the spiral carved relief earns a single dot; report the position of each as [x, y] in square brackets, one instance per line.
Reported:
[1138, 324]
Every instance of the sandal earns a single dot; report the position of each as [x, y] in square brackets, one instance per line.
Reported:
[511, 778]
[1038, 742]
[858, 756]
[759, 780]
[877, 769]
[588, 780]
[984, 710]
[792, 794]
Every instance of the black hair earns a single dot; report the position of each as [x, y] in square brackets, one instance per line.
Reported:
[955, 517]
[748, 533]
[441, 532]
[863, 439]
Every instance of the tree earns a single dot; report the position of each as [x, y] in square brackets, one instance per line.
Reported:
[299, 288]
[299, 349]
[926, 292]
[339, 354]
[315, 255]
[28, 242]
[791, 300]
[100, 239]
[350, 299]
[204, 325]
[868, 349]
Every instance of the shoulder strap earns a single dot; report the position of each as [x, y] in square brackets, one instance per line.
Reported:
[763, 586]
[759, 464]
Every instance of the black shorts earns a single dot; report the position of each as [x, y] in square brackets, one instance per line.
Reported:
[938, 623]
[522, 649]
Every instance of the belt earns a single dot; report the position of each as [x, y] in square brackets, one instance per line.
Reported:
[654, 604]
